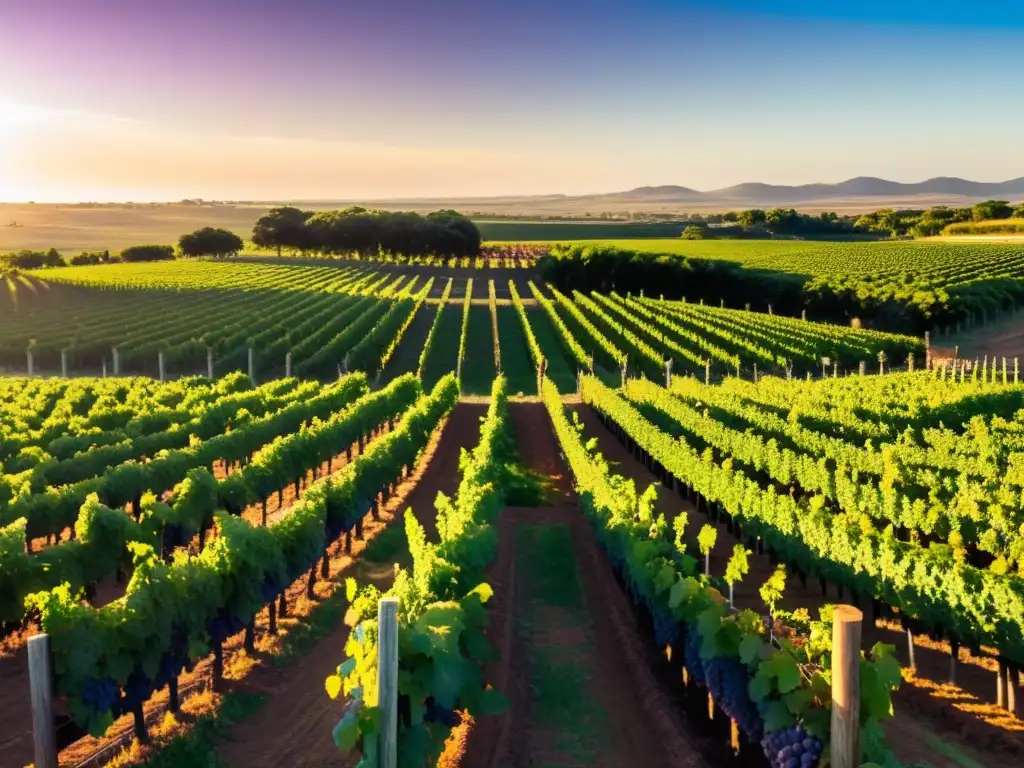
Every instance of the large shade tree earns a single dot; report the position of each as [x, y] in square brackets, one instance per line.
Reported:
[283, 227]
[210, 241]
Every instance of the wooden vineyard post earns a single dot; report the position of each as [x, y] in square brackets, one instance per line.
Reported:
[803, 315]
[64, 363]
[387, 680]
[40, 673]
[30, 361]
[209, 363]
[846, 633]
[624, 370]
[668, 373]
[104, 367]
[927, 351]
[162, 365]
[252, 365]
[707, 371]
[288, 365]
[117, 360]
[863, 367]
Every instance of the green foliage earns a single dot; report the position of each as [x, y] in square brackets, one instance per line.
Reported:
[442, 616]
[210, 241]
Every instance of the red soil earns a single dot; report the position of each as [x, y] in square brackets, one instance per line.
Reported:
[643, 726]
[293, 727]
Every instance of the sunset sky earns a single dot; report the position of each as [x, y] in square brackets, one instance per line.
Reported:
[306, 99]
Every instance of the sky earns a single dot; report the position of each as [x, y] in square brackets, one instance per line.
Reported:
[112, 100]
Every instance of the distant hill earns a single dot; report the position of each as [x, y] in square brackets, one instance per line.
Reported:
[863, 193]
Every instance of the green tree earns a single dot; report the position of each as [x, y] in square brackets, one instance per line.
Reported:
[148, 253]
[693, 232]
[283, 227]
[1018, 213]
[210, 241]
[752, 217]
[992, 209]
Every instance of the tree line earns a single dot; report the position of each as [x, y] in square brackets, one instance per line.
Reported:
[885, 222]
[353, 230]
[367, 233]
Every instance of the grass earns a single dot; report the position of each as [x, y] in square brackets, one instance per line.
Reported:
[515, 355]
[560, 370]
[565, 717]
[444, 352]
[478, 367]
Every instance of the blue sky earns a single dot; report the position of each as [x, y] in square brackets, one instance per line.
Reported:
[270, 98]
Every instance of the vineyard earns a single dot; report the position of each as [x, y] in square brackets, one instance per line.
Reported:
[902, 286]
[316, 322]
[261, 513]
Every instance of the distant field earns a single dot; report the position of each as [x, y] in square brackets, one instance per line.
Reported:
[936, 262]
[75, 228]
[532, 231]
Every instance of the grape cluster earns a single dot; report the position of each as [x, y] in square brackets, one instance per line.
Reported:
[102, 694]
[691, 657]
[791, 748]
[437, 714]
[728, 682]
[666, 627]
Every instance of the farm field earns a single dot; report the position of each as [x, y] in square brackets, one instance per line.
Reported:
[906, 286]
[328, 320]
[636, 544]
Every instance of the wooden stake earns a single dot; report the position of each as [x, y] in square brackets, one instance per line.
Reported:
[40, 673]
[846, 634]
[387, 680]
[910, 650]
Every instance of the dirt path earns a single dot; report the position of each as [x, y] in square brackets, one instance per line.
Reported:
[1003, 338]
[920, 723]
[293, 727]
[580, 689]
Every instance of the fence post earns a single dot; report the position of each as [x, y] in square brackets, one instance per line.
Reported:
[387, 680]
[846, 633]
[40, 673]
[209, 363]
[31, 362]
[288, 365]
[64, 363]
[162, 365]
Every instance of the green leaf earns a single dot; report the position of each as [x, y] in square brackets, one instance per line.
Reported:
[750, 649]
[492, 702]
[346, 733]
[447, 679]
[333, 685]
[760, 687]
[478, 646]
[787, 672]
[680, 591]
[818, 722]
[777, 716]
[798, 701]
[347, 667]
